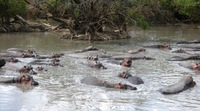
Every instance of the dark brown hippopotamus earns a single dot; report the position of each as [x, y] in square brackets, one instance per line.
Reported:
[180, 51]
[22, 79]
[189, 42]
[162, 46]
[2, 62]
[90, 48]
[90, 80]
[132, 79]
[183, 84]
[122, 57]
[179, 58]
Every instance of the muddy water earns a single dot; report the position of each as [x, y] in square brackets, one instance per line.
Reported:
[60, 88]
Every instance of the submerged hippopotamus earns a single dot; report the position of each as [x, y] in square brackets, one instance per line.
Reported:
[183, 84]
[2, 62]
[122, 57]
[94, 64]
[180, 51]
[132, 79]
[19, 50]
[136, 52]
[162, 46]
[90, 48]
[22, 79]
[13, 60]
[90, 80]
[126, 62]
[189, 42]
[43, 61]
[178, 58]
[27, 69]
[193, 66]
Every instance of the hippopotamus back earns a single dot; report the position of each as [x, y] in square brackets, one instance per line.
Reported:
[92, 81]
[135, 80]
[183, 84]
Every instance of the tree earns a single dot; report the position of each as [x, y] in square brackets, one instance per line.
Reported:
[11, 8]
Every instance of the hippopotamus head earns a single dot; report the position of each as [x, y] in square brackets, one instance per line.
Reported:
[124, 86]
[57, 55]
[26, 79]
[178, 51]
[126, 62]
[12, 60]
[166, 46]
[24, 55]
[98, 65]
[27, 69]
[55, 60]
[124, 74]
[142, 50]
[39, 68]
[188, 81]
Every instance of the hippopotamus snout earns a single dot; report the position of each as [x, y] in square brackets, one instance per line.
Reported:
[33, 82]
[32, 72]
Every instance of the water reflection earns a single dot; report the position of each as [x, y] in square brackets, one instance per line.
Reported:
[60, 88]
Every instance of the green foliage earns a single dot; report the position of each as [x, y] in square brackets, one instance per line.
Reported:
[188, 8]
[11, 8]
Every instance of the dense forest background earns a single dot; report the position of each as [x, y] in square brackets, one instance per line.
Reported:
[90, 17]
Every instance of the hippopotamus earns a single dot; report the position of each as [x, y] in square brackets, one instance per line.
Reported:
[90, 80]
[180, 51]
[94, 64]
[22, 79]
[2, 62]
[40, 68]
[132, 79]
[196, 46]
[178, 58]
[162, 46]
[13, 60]
[189, 42]
[90, 48]
[183, 84]
[24, 55]
[20, 55]
[131, 57]
[19, 50]
[126, 62]
[43, 61]
[57, 55]
[136, 52]
[193, 66]
[27, 69]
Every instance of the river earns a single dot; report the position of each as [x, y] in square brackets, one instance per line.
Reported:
[60, 88]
